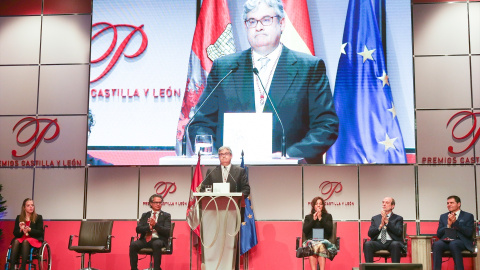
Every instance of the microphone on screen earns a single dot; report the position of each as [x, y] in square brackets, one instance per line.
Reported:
[284, 150]
[184, 139]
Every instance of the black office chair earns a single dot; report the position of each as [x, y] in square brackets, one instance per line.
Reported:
[41, 255]
[333, 239]
[94, 237]
[167, 250]
[383, 253]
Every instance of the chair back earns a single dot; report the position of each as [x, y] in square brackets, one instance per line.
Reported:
[169, 246]
[404, 234]
[95, 233]
[333, 238]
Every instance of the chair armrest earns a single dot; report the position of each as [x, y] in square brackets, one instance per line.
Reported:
[297, 243]
[133, 238]
[170, 242]
[71, 240]
[433, 240]
[338, 243]
[109, 242]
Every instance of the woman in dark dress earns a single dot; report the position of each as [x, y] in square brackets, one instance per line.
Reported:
[28, 232]
[318, 218]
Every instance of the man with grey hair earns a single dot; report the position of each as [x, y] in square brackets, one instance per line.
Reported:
[296, 82]
[227, 173]
[385, 232]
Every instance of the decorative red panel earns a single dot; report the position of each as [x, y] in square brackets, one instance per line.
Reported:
[67, 6]
[24, 7]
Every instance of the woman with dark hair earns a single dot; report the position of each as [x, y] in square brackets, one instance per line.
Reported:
[28, 232]
[318, 218]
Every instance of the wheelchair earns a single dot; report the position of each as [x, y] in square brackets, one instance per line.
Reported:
[42, 255]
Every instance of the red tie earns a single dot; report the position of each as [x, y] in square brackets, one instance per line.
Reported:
[148, 236]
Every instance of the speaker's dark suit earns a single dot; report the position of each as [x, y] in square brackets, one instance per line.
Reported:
[162, 227]
[464, 226]
[394, 229]
[237, 178]
[299, 89]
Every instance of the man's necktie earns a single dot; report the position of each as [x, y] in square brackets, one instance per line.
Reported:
[225, 174]
[383, 235]
[263, 63]
[148, 236]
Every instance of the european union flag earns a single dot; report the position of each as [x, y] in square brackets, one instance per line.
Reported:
[369, 130]
[248, 233]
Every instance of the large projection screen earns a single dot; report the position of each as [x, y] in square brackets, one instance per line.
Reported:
[140, 57]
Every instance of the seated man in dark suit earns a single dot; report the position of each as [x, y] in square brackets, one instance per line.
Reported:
[386, 232]
[154, 227]
[227, 173]
[462, 223]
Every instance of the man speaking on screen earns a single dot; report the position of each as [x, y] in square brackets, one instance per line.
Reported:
[296, 83]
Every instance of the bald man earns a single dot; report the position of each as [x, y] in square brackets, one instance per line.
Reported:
[386, 232]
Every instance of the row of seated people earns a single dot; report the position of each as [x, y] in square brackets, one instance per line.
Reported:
[386, 232]
[155, 231]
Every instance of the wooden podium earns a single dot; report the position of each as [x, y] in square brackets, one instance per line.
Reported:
[220, 220]
[422, 250]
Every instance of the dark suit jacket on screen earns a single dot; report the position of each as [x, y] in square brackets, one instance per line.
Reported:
[164, 221]
[464, 226]
[237, 178]
[394, 227]
[299, 89]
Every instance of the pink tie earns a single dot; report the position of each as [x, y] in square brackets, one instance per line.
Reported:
[148, 236]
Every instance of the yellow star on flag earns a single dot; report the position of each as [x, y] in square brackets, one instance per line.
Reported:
[367, 54]
[384, 79]
[249, 215]
[388, 143]
[244, 223]
[342, 48]
[393, 111]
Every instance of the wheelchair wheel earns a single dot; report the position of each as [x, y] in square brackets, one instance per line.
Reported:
[7, 259]
[44, 257]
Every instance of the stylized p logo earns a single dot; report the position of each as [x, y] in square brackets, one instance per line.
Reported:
[38, 135]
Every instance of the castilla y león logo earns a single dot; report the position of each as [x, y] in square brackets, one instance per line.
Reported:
[39, 134]
[121, 47]
[164, 188]
[465, 115]
[327, 188]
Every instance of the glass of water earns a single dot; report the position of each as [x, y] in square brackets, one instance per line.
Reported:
[203, 144]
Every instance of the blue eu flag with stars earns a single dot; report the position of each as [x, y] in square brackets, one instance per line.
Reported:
[369, 130]
[248, 233]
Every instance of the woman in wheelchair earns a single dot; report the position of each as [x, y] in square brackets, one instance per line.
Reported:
[322, 248]
[28, 232]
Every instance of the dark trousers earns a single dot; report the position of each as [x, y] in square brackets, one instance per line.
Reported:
[395, 248]
[17, 248]
[156, 244]
[456, 247]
